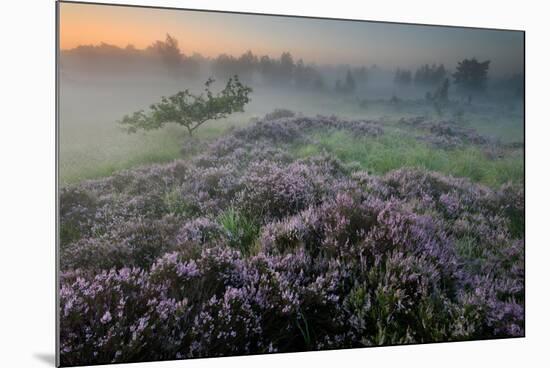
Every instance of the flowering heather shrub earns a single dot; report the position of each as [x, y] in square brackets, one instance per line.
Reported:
[413, 121]
[395, 304]
[278, 114]
[276, 131]
[210, 188]
[511, 199]
[243, 249]
[292, 129]
[450, 135]
[360, 127]
[451, 130]
[199, 231]
[191, 146]
[459, 200]
[135, 243]
[76, 213]
[273, 191]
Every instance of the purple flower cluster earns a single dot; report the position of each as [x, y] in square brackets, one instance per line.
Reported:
[292, 128]
[451, 135]
[151, 269]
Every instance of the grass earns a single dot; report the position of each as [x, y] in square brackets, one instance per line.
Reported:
[394, 150]
[243, 232]
[92, 145]
[95, 151]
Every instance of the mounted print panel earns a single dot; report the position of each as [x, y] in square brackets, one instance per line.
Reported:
[234, 184]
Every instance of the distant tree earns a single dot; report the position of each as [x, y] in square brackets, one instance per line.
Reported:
[403, 77]
[190, 110]
[192, 65]
[348, 86]
[168, 50]
[306, 76]
[267, 68]
[361, 75]
[440, 97]
[130, 48]
[224, 66]
[471, 75]
[247, 64]
[248, 60]
[319, 83]
[429, 75]
[350, 82]
[227, 65]
[442, 92]
[286, 67]
[439, 73]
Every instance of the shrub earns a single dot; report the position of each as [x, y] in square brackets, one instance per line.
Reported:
[279, 114]
[134, 243]
[200, 231]
[272, 191]
[243, 249]
[76, 214]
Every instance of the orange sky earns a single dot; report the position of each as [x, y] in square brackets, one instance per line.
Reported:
[314, 40]
[82, 24]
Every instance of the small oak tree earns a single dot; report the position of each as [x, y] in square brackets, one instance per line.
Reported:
[191, 110]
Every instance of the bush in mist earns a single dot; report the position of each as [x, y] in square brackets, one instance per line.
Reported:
[168, 50]
[440, 97]
[347, 86]
[402, 77]
[191, 110]
[449, 135]
[429, 75]
[278, 114]
[471, 75]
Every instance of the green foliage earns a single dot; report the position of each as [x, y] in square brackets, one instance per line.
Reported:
[393, 150]
[191, 110]
[242, 231]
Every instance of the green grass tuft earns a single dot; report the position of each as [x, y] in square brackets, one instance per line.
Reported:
[243, 232]
[394, 150]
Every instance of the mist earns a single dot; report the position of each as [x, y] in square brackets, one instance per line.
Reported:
[373, 172]
[99, 84]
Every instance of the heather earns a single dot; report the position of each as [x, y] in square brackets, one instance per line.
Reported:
[296, 233]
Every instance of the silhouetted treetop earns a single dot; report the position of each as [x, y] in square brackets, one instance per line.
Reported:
[402, 77]
[430, 75]
[168, 50]
[471, 75]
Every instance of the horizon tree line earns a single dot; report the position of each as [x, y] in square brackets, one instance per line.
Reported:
[470, 76]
